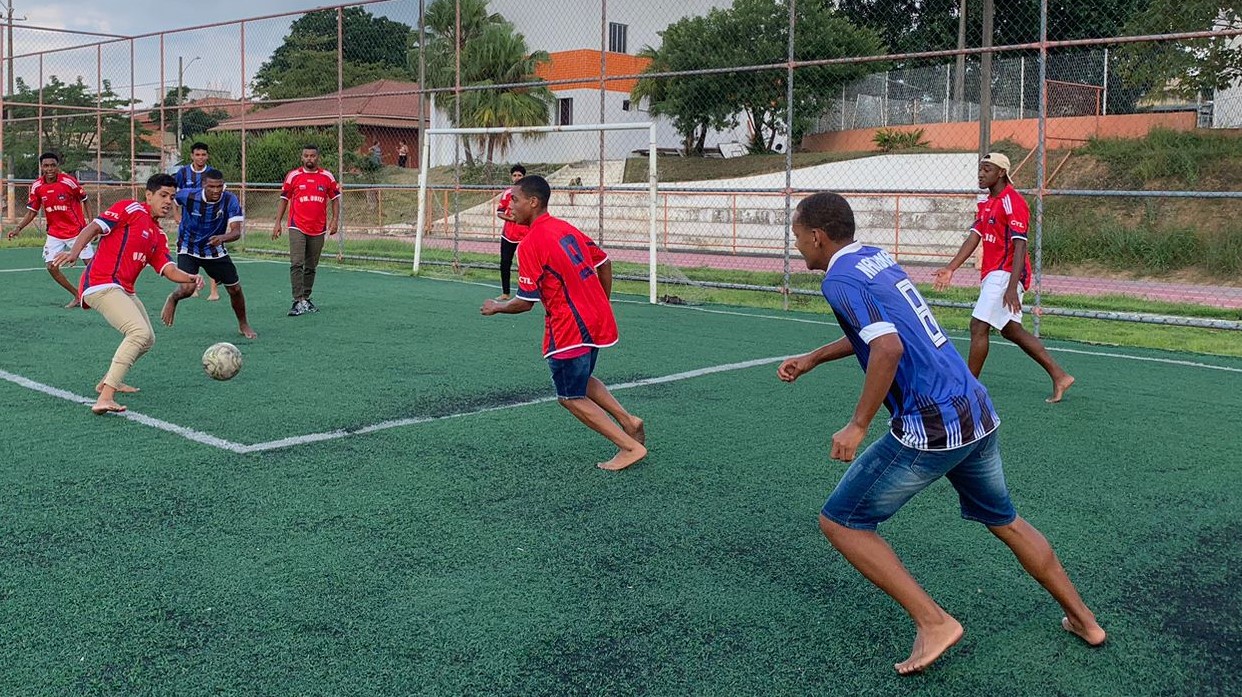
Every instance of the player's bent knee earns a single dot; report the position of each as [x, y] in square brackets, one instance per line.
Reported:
[979, 327]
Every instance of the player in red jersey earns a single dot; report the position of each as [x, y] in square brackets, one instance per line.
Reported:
[66, 208]
[1001, 224]
[512, 233]
[306, 194]
[566, 271]
[132, 240]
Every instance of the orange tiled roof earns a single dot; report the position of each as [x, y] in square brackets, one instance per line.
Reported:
[584, 63]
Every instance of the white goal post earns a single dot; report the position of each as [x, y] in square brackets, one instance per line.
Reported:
[648, 126]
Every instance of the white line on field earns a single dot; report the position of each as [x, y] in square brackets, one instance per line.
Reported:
[398, 423]
[187, 433]
[208, 439]
[36, 268]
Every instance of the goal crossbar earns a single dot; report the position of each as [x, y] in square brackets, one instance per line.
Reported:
[648, 126]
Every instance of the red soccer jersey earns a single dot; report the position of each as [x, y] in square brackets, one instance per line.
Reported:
[1001, 220]
[132, 241]
[61, 202]
[512, 231]
[308, 194]
[556, 266]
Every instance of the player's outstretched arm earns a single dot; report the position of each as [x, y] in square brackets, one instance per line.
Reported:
[793, 368]
[176, 275]
[945, 275]
[513, 306]
[88, 234]
[886, 352]
[21, 224]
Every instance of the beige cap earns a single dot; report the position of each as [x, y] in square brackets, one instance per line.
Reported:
[997, 159]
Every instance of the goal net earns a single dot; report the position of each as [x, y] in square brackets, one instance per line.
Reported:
[613, 198]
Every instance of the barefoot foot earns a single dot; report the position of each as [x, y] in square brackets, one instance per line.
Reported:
[213, 296]
[247, 332]
[930, 644]
[104, 406]
[636, 431]
[623, 459]
[1059, 386]
[1093, 635]
[73, 303]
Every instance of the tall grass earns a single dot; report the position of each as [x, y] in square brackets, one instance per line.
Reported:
[1076, 233]
[1178, 159]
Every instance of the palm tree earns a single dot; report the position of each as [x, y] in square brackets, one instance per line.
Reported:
[492, 52]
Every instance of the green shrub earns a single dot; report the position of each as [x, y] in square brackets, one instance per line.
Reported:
[889, 140]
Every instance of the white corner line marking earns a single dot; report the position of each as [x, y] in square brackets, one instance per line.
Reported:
[187, 433]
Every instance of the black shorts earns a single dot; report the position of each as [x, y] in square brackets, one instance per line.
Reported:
[221, 269]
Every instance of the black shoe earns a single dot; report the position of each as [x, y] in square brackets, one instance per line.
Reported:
[299, 308]
[308, 306]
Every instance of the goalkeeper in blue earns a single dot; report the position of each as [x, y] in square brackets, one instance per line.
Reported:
[943, 425]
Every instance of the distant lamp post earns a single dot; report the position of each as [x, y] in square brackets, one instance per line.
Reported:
[181, 67]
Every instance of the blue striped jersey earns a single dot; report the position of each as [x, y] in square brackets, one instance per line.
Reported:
[189, 178]
[935, 402]
[201, 220]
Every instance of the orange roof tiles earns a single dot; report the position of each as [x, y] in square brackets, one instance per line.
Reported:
[584, 64]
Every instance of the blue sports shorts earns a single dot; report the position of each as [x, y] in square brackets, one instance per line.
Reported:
[571, 375]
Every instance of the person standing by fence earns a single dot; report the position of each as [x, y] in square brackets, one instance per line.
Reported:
[306, 195]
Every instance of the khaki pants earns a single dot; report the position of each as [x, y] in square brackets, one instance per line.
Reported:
[127, 315]
[304, 251]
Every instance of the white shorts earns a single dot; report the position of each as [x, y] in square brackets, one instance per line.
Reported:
[54, 245]
[990, 307]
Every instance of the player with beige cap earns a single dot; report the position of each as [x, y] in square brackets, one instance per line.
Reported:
[1001, 224]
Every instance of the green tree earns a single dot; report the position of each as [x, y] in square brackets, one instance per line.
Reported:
[71, 133]
[271, 154]
[752, 32]
[194, 120]
[305, 64]
[1185, 69]
[492, 52]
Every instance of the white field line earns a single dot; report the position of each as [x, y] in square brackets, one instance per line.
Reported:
[208, 439]
[37, 268]
[187, 433]
[398, 423]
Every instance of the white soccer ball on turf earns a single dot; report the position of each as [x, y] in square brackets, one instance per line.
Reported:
[222, 361]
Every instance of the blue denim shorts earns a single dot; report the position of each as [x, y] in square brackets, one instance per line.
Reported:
[571, 375]
[888, 474]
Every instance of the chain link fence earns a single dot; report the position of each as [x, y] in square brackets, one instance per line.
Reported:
[1120, 120]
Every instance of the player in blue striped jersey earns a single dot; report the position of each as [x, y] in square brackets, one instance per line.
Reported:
[943, 425]
[210, 218]
[191, 177]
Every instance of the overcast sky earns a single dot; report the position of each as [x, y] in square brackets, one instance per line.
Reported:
[219, 49]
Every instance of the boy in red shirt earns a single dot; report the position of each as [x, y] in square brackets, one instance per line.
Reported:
[65, 208]
[132, 240]
[307, 193]
[512, 233]
[1001, 224]
[565, 270]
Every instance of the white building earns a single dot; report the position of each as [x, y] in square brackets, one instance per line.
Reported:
[1227, 103]
[573, 39]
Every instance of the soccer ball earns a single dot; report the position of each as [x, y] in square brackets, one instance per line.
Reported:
[222, 361]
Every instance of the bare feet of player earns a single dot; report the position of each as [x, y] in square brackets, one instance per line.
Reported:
[215, 295]
[247, 332]
[624, 458]
[1092, 634]
[105, 406]
[169, 312]
[1059, 386]
[73, 303]
[635, 430]
[123, 389]
[930, 644]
